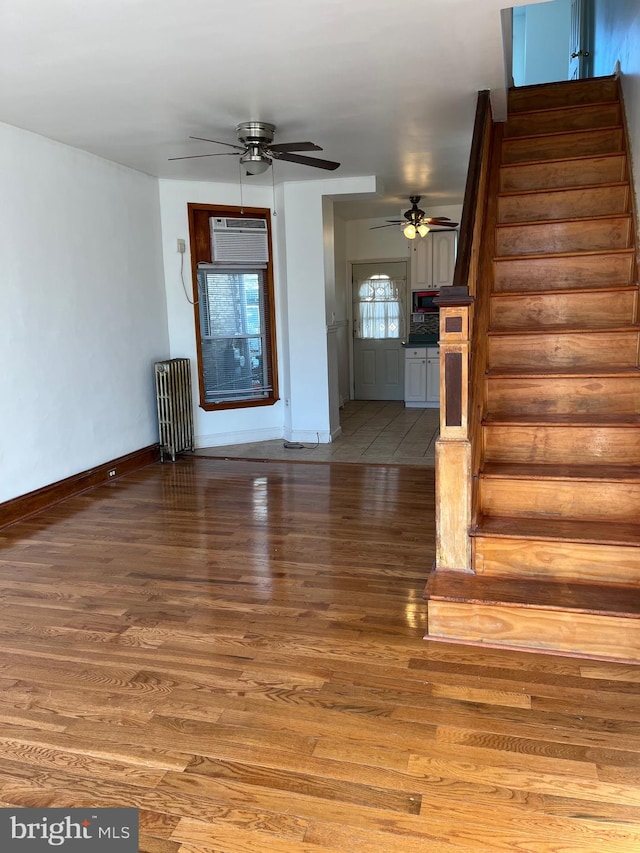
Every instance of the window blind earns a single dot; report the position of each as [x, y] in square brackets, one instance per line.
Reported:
[235, 334]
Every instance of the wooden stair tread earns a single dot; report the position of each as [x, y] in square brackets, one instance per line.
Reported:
[550, 372]
[567, 132]
[556, 529]
[602, 599]
[559, 291]
[539, 471]
[580, 253]
[562, 160]
[544, 111]
[549, 190]
[564, 330]
[565, 420]
[597, 326]
[562, 221]
[574, 92]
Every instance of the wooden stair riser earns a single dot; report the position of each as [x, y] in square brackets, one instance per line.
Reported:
[584, 171]
[564, 351]
[543, 395]
[545, 96]
[564, 204]
[559, 560]
[578, 309]
[613, 232]
[563, 118]
[608, 637]
[597, 445]
[533, 149]
[585, 500]
[551, 273]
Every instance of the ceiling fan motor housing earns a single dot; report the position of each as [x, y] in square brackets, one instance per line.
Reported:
[256, 136]
[255, 132]
[415, 215]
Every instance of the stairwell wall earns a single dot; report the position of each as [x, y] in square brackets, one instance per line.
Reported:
[617, 40]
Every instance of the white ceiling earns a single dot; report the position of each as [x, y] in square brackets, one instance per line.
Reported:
[386, 87]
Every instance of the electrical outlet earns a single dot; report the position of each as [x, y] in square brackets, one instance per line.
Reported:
[182, 246]
[112, 472]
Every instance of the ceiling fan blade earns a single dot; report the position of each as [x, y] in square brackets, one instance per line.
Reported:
[217, 142]
[440, 221]
[195, 156]
[294, 146]
[390, 224]
[306, 161]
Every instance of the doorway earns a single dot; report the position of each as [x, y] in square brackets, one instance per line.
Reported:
[379, 321]
[581, 43]
[551, 41]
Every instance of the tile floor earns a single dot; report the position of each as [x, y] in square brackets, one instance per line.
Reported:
[382, 433]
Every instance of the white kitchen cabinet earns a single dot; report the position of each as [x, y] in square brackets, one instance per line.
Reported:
[433, 376]
[433, 260]
[422, 377]
[415, 376]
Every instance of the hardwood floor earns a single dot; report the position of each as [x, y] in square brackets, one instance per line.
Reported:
[236, 649]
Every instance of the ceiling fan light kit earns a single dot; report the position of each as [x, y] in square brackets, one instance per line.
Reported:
[416, 222]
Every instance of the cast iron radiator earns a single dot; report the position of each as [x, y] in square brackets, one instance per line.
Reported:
[175, 410]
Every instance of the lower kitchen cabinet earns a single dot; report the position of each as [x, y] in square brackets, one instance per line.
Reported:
[433, 376]
[422, 377]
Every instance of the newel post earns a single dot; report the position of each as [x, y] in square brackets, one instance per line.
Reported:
[453, 447]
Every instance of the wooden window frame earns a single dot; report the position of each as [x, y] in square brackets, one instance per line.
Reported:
[199, 236]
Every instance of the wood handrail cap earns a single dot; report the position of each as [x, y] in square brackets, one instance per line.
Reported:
[451, 297]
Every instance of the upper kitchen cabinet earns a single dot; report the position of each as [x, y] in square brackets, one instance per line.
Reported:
[433, 260]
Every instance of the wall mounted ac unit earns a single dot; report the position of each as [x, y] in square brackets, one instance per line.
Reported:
[238, 241]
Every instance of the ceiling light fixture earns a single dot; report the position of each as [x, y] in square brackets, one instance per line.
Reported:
[415, 220]
[255, 161]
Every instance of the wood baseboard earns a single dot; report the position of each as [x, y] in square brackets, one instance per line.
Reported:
[24, 506]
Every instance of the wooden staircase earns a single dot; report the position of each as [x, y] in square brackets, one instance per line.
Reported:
[555, 529]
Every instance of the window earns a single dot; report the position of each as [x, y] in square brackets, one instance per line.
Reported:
[234, 318]
[379, 307]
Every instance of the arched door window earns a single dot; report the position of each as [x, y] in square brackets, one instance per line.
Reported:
[379, 307]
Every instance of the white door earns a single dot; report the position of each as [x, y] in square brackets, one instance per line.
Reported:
[580, 43]
[379, 294]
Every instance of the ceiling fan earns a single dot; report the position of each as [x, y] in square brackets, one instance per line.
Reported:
[417, 222]
[257, 150]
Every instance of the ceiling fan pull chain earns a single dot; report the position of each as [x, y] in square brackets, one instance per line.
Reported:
[240, 176]
[273, 188]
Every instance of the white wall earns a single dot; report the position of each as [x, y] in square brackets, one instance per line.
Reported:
[541, 36]
[363, 244]
[617, 39]
[227, 426]
[82, 312]
[342, 295]
[304, 289]
[312, 400]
